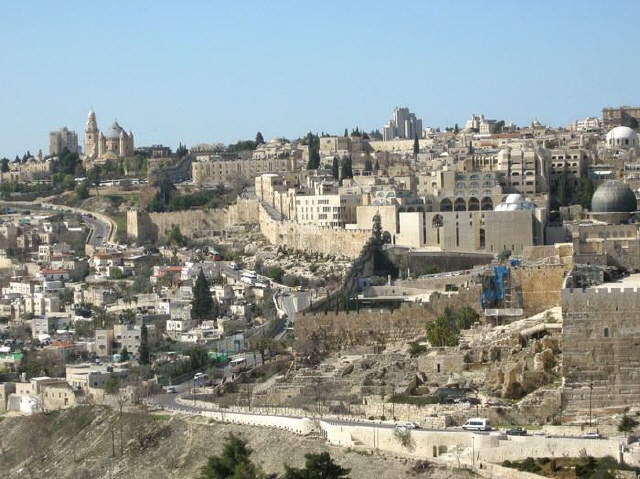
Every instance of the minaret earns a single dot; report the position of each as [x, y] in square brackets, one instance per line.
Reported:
[91, 136]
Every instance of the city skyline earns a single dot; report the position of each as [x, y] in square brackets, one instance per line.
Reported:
[204, 72]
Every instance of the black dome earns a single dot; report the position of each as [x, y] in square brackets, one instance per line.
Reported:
[613, 197]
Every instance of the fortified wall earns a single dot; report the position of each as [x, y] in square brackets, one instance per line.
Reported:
[601, 334]
[143, 226]
[320, 334]
[540, 285]
[328, 241]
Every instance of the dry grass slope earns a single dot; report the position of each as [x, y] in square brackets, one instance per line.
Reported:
[92, 442]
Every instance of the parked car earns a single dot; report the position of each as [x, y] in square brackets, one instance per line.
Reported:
[516, 431]
[171, 390]
[592, 435]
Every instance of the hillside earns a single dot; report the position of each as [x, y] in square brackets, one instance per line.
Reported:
[80, 443]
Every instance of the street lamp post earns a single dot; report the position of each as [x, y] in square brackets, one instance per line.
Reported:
[473, 450]
[590, 396]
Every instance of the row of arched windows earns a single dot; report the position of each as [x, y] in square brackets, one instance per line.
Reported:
[460, 204]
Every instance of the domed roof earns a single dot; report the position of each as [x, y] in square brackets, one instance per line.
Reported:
[613, 197]
[515, 202]
[113, 131]
[622, 132]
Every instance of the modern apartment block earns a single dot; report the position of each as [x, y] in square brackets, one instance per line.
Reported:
[61, 139]
[403, 124]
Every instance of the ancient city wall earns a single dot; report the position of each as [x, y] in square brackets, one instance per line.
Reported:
[244, 211]
[319, 334]
[540, 285]
[204, 223]
[193, 224]
[327, 241]
[601, 333]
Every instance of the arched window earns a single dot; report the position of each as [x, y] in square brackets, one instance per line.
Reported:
[606, 332]
[486, 204]
[446, 205]
[474, 204]
[428, 205]
[459, 205]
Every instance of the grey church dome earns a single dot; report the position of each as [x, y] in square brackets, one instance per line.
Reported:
[613, 197]
[113, 131]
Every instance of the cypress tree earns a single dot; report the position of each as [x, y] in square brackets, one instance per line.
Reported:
[202, 303]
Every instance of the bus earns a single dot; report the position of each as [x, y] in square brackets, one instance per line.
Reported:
[238, 365]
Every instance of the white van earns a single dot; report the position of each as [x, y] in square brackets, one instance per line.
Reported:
[477, 424]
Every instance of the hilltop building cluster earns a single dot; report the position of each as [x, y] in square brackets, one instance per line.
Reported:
[486, 190]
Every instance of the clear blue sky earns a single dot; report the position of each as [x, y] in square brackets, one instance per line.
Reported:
[209, 71]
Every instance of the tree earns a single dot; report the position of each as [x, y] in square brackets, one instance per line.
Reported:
[259, 139]
[143, 350]
[368, 165]
[175, 236]
[124, 354]
[456, 129]
[202, 304]
[233, 463]
[82, 191]
[5, 165]
[314, 151]
[94, 176]
[585, 192]
[335, 168]
[68, 182]
[376, 166]
[466, 317]
[442, 331]
[627, 424]
[110, 386]
[504, 255]
[346, 132]
[416, 146]
[346, 170]
[317, 466]
[181, 151]
[376, 231]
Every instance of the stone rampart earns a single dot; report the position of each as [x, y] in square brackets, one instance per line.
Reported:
[600, 337]
[243, 211]
[319, 334]
[540, 285]
[328, 241]
[193, 224]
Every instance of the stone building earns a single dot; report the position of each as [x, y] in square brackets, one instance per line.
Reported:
[403, 124]
[112, 144]
[621, 116]
[218, 169]
[514, 225]
[61, 139]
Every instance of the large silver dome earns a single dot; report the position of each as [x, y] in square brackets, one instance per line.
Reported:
[613, 197]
